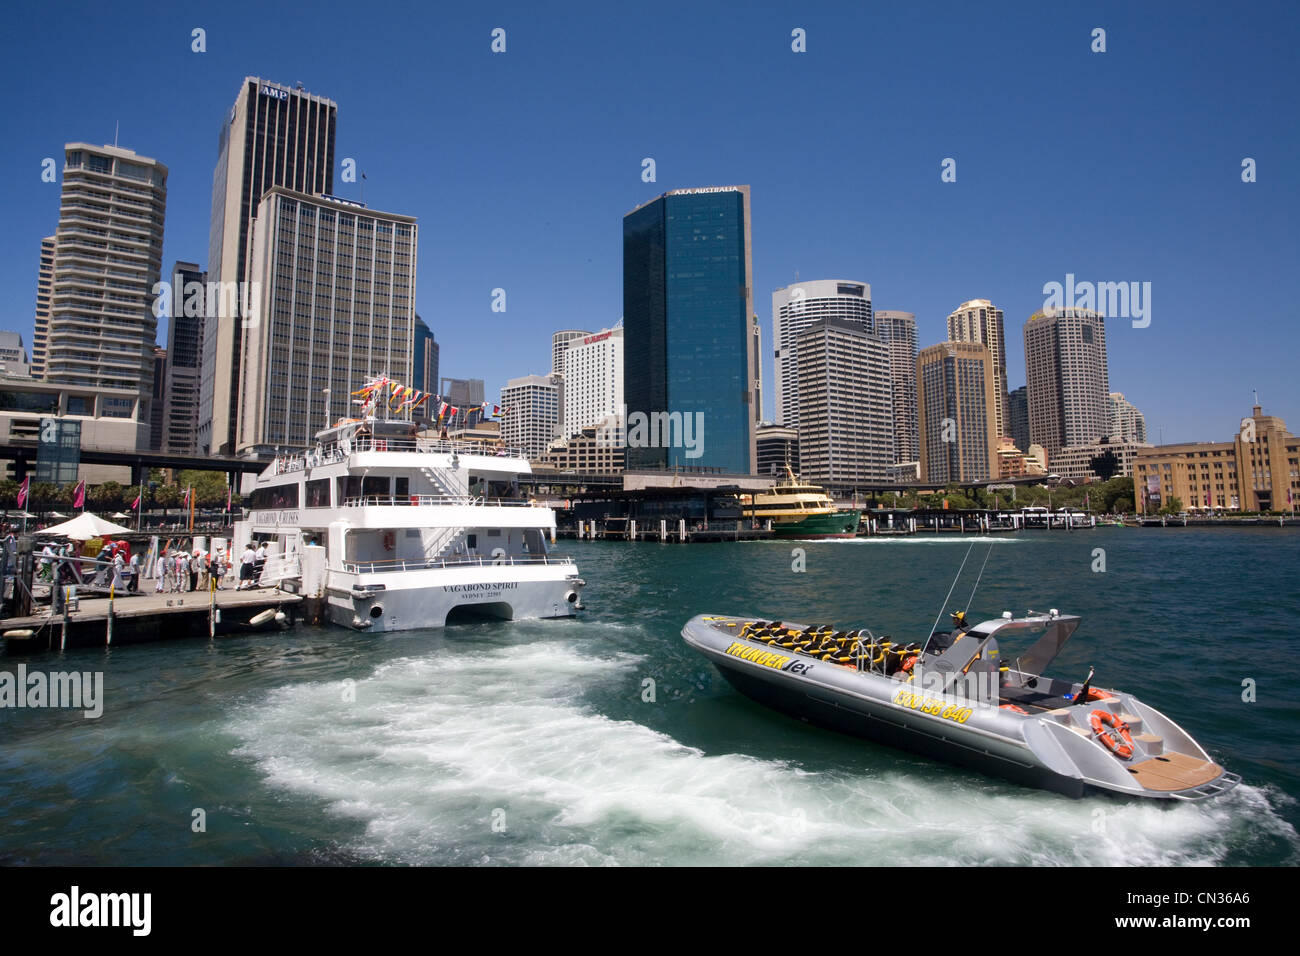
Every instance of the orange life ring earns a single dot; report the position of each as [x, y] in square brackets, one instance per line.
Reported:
[1111, 738]
[908, 663]
[390, 540]
[1014, 709]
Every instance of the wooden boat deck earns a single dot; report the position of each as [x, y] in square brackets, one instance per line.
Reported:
[1174, 771]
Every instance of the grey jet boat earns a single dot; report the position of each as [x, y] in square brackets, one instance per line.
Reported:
[954, 698]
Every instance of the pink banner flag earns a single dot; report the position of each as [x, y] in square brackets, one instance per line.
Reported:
[79, 495]
[22, 492]
[136, 504]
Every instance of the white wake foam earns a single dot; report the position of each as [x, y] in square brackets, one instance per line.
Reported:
[496, 756]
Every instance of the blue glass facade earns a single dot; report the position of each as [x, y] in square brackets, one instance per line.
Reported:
[687, 336]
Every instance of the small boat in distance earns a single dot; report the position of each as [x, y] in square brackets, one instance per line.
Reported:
[959, 697]
[800, 510]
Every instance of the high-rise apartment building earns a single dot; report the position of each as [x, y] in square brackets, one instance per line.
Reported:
[898, 331]
[957, 403]
[1126, 422]
[107, 260]
[688, 330]
[980, 321]
[846, 421]
[44, 285]
[1069, 387]
[336, 308]
[273, 136]
[796, 307]
[593, 380]
[530, 408]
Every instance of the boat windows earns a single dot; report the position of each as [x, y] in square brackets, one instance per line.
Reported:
[348, 486]
[375, 486]
[318, 493]
[275, 497]
[402, 486]
[471, 541]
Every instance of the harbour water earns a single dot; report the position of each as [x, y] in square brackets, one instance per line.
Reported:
[604, 740]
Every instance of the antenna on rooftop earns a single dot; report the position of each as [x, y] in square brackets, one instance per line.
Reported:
[116, 125]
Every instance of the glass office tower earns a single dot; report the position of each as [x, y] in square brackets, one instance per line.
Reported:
[687, 356]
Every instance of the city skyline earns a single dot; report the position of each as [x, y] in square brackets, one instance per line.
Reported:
[1149, 202]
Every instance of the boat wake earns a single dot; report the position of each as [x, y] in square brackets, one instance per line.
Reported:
[498, 756]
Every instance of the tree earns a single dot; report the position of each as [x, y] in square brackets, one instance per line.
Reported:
[8, 493]
[1173, 505]
[106, 497]
[167, 496]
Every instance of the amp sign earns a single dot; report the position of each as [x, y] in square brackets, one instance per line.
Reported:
[271, 91]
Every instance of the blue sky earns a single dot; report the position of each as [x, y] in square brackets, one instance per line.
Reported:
[1115, 166]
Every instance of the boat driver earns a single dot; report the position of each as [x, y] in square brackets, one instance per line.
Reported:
[940, 641]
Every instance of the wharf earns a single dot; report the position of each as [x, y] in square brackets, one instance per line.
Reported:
[137, 618]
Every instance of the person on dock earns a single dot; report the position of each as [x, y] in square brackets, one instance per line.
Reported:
[119, 572]
[133, 580]
[218, 568]
[246, 562]
[259, 563]
[194, 564]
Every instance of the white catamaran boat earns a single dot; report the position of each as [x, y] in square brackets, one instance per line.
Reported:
[413, 529]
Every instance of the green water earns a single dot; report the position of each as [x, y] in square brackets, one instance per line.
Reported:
[606, 740]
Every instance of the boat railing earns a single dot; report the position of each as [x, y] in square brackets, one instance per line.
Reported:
[471, 560]
[339, 450]
[481, 501]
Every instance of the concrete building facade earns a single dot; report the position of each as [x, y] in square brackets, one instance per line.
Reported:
[107, 262]
[1068, 383]
[845, 410]
[958, 407]
[796, 307]
[336, 308]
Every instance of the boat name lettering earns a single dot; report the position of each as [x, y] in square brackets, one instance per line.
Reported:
[768, 659]
[935, 708]
[466, 588]
[275, 517]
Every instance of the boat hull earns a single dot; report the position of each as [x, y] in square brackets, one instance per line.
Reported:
[399, 601]
[839, 524]
[1051, 749]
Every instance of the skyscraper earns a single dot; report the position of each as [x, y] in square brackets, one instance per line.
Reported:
[898, 331]
[530, 413]
[273, 136]
[336, 307]
[1018, 416]
[560, 342]
[593, 381]
[107, 260]
[846, 419]
[957, 402]
[424, 374]
[464, 393]
[184, 353]
[1069, 386]
[796, 307]
[1126, 422]
[688, 341]
[41, 331]
[979, 321]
